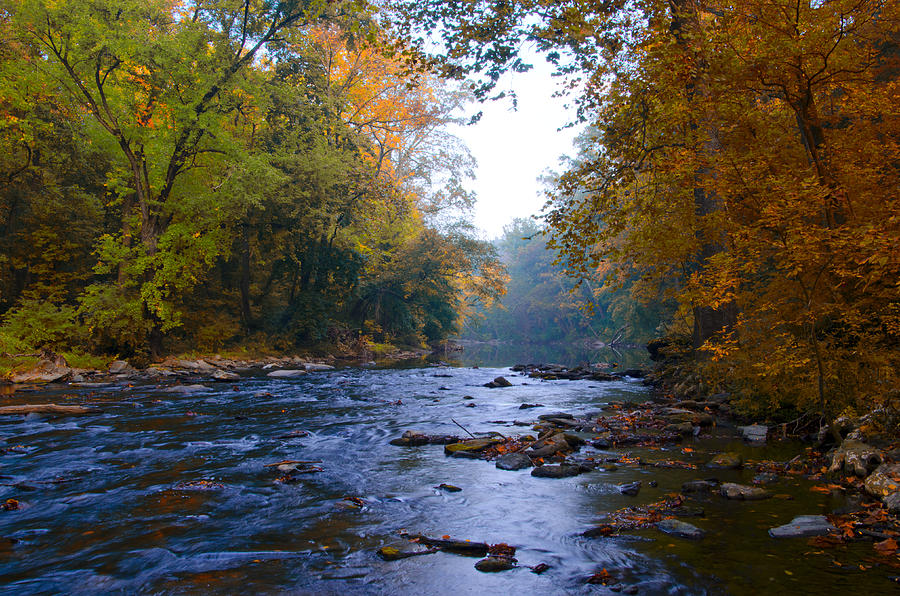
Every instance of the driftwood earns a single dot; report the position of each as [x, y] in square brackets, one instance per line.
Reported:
[46, 409]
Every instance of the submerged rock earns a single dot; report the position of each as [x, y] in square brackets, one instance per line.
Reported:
[514, 461]
[316, 367]
[187, 389]
[681, 529]
[726, 461]
[803, 526]
[742, 492]
[699, 486]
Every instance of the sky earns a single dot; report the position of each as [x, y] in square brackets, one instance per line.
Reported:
[514, 148]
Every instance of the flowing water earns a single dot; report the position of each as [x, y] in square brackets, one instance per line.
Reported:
[113, 503]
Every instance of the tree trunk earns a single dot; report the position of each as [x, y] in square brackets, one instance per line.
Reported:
[246, 315]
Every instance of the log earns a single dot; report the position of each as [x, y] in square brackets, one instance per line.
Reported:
[46, 409]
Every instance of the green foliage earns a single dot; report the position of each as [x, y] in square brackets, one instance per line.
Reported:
[38, 324]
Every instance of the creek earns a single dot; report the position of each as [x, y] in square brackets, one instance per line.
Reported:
[169, 493]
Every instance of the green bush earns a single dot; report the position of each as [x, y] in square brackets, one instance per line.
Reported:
[35, 324]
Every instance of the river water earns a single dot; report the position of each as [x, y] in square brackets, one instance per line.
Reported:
[170, 494]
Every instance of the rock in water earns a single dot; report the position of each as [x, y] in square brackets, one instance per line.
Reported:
[803, 526]
[514, 461]
[726, 461]
[120, 367]
[492, 564]
[187, 389]
[755, 433]
[498, 382]
[222, 375]
[698, 486]
[47, 370]
[742, 492]
[631, 489]
[883, 481]
[680, 529]
[467, 448]
[286, 374]
[314, 367]
[449, 488]
[553, 471]
[854, 457]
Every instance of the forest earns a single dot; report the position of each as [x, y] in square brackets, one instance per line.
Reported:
[181, 176]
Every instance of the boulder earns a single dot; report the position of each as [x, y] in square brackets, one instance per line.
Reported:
[513, 461]
[47, 370]
[883, 481]
[682, 428]
[755, 433]
[286, 373]
[742, 492]
[119, 367]
[498, 382]
[854, 457]
[556, 471]
[803, 526]
[223, 375]
[892, 502]
[726, 461]
[681, 529]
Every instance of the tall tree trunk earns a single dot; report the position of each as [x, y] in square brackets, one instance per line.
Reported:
[709, 322]
[246, 315]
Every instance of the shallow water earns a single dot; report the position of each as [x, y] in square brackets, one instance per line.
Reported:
[105, 507]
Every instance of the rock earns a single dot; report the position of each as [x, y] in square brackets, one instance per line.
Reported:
[48, 369]
[119, 367]
[286, 374]
[204, 366]
[755, 433]
[601, 443]
[556, 415]
[528, 406]
[498, 382]
[635, 373]
[469, 447]
[631, 489]
[726, 461]
[411, 438]
[742, 492]
[392, 553]
[222, 375]
[698, 486]
[803, 526]
[892, 502]
[513, 461]
[680, 529]
[449, 488]
[187, 389]
[462, 547]
[47, 409]
[493, 564]
[854, 457]
[556, 471]
[539, 568]
[682, 428]
[315, 367]
[884, 480]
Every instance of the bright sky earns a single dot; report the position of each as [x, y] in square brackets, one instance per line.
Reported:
[514, 148]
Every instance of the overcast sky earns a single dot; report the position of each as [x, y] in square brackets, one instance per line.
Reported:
[514, 148]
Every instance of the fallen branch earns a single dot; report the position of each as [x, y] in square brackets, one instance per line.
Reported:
[463, 427]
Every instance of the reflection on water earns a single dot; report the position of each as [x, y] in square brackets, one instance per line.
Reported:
[509, 354]
[113, 502]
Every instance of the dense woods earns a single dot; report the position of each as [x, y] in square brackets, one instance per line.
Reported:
[188, 175]
[744, 162]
